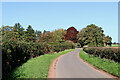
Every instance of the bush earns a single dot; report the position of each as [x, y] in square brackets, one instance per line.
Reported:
[15, 53]
[62, 46]
[78, 44]
[104, 52]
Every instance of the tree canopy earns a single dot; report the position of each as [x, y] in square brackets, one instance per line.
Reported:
[92, 35]
[17, 33]
[71, 34]
[59, 33]
[107, 40]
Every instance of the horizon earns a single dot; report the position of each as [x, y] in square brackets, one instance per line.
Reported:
[54, 15]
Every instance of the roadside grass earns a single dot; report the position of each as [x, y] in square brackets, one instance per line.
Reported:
[103, 64]
[115, 45]
[37, 67]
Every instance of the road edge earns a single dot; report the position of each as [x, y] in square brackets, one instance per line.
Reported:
[102, 71]
[52, 67]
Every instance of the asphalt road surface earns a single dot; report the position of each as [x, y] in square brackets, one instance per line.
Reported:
[71, 66]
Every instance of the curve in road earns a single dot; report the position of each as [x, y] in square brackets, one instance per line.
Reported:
[70, 66]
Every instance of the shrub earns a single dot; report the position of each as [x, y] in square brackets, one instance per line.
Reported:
[104, 52]
[62, 46]
[14, 53]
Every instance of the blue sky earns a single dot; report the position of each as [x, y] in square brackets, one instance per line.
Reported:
[53, 15]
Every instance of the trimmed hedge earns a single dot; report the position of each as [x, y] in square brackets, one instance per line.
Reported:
[62, 46]
[111, 53]
[16, 53]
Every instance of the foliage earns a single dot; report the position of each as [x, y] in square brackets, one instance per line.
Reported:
[62, 46]
[71, 34]
[59, 33]
[17, 33]
[30, 34]
[18, 28]
[111, 53]
[92, 35]
[15, 53]
[108, 40]
[103, 64]
[37, 67]
[8, 34]
[47, 36]
[18, 45]
[52, 37]
[78, 44]
[53, 43]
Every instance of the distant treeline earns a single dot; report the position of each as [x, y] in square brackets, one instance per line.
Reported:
[91, 35]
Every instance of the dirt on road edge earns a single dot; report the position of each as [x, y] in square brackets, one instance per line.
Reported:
[52, 68]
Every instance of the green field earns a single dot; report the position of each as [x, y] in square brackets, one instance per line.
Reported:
[103, 64]
[37, 67]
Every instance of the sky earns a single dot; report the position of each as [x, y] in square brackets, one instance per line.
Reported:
[54, 15]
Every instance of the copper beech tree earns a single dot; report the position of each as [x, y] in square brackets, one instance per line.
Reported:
[71, 34]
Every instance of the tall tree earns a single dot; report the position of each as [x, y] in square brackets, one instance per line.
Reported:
[30, 35]
[18, 28]
[92, 35]
[71, 34]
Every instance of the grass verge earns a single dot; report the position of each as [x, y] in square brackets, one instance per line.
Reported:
[37, 67]
[103, 64]
[115, 45]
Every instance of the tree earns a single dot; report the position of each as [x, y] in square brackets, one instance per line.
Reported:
[18, 32]
[29, 34]
[107, 40]
[92, 35]
[8, 33]
[18, 28]
[47, 36]
[82, 37]
[71, 34]
[59, 34]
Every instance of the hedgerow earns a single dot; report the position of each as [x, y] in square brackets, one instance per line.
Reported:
[111, 53]
[15, 53]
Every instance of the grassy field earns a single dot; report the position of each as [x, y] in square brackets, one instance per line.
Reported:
[37, 67]
[103, 64]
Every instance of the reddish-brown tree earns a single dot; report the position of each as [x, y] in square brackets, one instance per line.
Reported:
[71, 34]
